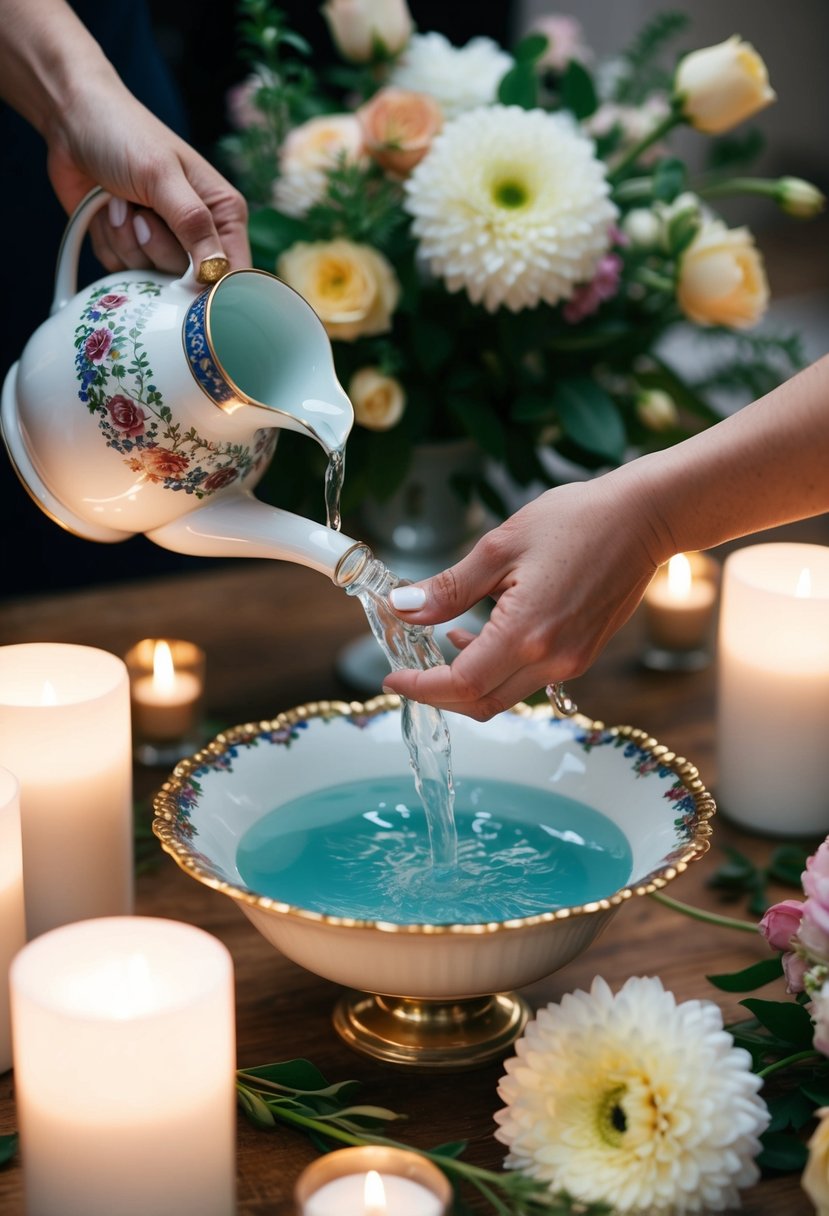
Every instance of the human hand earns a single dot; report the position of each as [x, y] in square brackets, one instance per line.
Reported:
[168, 201]
[566, 572]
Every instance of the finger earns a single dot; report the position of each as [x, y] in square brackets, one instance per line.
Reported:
[431, 690]
[450, 592]
[117, 243]
[460, 638]
[190, 219]
[158, 243]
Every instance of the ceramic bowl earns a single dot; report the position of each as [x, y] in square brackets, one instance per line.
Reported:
[214, 797]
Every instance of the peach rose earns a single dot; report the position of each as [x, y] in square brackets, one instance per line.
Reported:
[352, 288]
[722, 280]
[361, 27]
[378, 400]
[720, 86]
[308, 153]
[398, 128]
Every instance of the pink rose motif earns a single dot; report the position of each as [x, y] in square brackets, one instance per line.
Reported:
[220, 478]
[126, 416]
[96, 347]
[781, 922]
[112, 300]
[159, 463]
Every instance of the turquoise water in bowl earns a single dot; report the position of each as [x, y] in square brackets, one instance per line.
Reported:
[361, 850]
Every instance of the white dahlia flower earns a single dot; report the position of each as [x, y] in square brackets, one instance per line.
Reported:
[511, 205]
[459, 78]
[633, 1100]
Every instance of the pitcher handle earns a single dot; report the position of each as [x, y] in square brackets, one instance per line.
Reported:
[66, 272]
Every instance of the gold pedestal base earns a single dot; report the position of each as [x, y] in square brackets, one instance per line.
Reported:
[450, 1035]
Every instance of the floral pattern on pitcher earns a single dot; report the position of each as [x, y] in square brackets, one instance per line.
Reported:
[117, 385]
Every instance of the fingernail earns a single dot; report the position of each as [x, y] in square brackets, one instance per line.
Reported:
[142, 230]
[407, 598]
[117, 211]
[390, 691]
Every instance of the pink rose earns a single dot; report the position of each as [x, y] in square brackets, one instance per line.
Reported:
[241, 108]
[97, 345]
[820, 1016]
[159, 463]
[565, 41]
[812, 935]
[781, 922]
[127, 416]
[113, 300]
[220, 478]
[587, 298]
[398, 128]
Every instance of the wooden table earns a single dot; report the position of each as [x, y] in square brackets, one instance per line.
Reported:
[272, 632]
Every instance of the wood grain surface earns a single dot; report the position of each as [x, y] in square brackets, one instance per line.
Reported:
[271, 633]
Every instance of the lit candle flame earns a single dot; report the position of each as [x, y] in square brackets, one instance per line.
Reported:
[804, 584]
[374, 1195]
[679, 577]
[48, 696]
[163, 670]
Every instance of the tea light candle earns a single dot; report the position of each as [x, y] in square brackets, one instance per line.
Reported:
[12, 913]
[679, 607]
[124, 1069]
[166, 700]
[773, 689]
[65, 734]
[372, 1181]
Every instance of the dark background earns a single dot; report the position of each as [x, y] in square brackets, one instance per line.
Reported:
[179, 57]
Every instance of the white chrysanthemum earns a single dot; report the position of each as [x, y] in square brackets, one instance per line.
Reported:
[633, 1100]
[511, 205]
[459, 78]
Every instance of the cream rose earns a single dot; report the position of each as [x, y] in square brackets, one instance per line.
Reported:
[398, 128]
[815, 1180]
[378, 400]
[722, 280]
[352, 288]
[359, 26]
[720, 86]
[657, 410]
[308, 153]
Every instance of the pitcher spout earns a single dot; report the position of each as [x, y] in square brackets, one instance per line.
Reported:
[239, 525]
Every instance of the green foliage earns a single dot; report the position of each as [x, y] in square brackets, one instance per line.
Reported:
[642, 73]
[8, 1147]
[739, 877]
[294, 1092]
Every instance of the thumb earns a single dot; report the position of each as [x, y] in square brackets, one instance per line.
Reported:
[447, 594]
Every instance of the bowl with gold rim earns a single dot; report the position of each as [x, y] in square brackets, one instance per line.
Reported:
[312, 824]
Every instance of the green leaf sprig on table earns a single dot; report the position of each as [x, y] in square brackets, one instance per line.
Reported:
[295, 1093]
[738, 876]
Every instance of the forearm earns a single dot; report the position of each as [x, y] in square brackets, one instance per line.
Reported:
[766, 465]
[46, 56]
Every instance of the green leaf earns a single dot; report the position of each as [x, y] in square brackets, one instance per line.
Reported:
[432, 343]
[479, 420]
[531, 48]
[749, 978]
[533, 407]
[298, 1075]
[590, 417]
[785, 1019]
[390, 455]
[816, 1093]
[519, 87]
[254, 1107]
[272, 233]
[453, 1148]
[788, 863]
[669, 179]
[789, 1109]
[8, 1147]
[782, 1151]
[578, 92]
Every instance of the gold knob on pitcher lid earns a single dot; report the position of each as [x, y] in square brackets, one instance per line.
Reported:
[212, 269]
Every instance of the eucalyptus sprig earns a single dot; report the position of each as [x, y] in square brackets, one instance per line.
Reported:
[295, 1093]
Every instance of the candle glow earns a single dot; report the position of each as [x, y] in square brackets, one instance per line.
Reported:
[374, 1194]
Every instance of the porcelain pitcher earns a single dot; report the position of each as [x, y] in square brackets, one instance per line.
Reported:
[147, 403]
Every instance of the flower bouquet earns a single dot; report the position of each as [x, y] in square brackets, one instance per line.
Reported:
[498, 242]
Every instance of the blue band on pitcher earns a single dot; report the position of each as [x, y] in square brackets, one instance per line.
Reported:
[202, 364]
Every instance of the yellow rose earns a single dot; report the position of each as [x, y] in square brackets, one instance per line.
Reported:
[352, 288]
[657, 410]
[722, 280]
[721, 85]
[815, 1178]
[398, 128]
[359, 26]
[378, 400]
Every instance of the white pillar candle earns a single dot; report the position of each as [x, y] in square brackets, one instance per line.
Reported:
[124, 1068]
[167, 689]
[773, 689]
[372, 1181]
[679, 602]
[12, 914]
[65, 734]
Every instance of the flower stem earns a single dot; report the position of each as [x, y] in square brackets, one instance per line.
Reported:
[711, 918]
[784, 1063]
[768, 187]
[671, 120]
